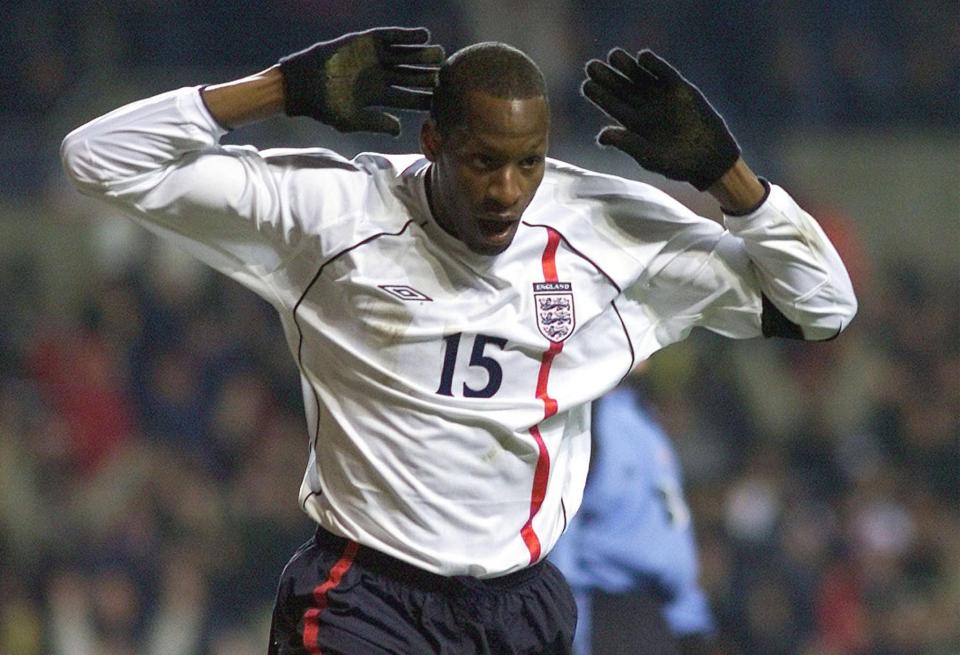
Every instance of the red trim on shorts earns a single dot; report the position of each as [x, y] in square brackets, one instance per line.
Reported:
[311, 618]
[541, 473]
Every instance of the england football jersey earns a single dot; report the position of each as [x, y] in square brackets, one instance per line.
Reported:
[447, 393]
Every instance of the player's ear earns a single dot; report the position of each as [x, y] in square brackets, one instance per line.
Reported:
[430, 139]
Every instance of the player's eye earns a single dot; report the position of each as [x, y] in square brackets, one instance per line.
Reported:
[531, 162]
[483, 162]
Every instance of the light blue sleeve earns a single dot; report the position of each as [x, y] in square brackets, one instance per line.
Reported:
[633, 531]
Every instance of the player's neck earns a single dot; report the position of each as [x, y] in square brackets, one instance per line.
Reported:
[434, 204]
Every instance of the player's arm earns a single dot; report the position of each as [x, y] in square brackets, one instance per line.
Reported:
[667, 125]
[159, 159]
[346, 83]
[247, 100]
[338, 82]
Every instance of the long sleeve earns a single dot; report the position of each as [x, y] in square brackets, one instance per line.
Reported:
[771, 272]
[798, 268]
[233, 207]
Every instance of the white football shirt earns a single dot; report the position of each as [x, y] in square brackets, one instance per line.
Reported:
[447, 393]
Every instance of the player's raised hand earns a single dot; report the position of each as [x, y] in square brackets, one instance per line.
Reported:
[339, 82]
[666, 123]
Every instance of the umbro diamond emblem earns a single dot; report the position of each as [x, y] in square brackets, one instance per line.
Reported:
[404, 292]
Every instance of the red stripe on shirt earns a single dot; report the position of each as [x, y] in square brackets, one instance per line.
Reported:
[550, 256]
[311, 618]
[549, 404]
[541, 473]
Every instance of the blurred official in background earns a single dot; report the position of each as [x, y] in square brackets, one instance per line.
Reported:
[630, 554]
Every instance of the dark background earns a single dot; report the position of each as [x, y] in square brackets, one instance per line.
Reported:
[151, 432]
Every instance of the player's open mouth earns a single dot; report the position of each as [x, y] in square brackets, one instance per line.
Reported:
[498, 228]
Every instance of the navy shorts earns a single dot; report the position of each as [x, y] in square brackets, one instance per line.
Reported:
[336, 597]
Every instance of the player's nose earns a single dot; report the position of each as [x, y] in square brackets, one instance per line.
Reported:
[505, 189]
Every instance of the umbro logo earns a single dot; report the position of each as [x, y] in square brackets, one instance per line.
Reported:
[404, 292]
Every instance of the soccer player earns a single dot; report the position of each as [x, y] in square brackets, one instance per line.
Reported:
[453, 313]
[629, 554]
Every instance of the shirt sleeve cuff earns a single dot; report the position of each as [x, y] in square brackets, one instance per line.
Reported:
[206, 118]
[764, 217]
[763, 199]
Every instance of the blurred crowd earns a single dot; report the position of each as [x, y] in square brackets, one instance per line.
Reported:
[152, 439]
[854, 61]
[151, 450]
[824, 479]
[770, 66]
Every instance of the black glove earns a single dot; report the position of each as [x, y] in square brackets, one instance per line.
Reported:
[669, 127]
[337, 81]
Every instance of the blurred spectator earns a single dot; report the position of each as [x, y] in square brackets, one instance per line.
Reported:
[81, 377]
[629, 555]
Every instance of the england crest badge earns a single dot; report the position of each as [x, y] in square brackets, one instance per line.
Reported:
[554, 306]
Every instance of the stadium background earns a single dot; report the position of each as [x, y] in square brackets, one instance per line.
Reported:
[151, 435]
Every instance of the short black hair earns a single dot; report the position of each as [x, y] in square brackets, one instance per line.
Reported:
[494, 68]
